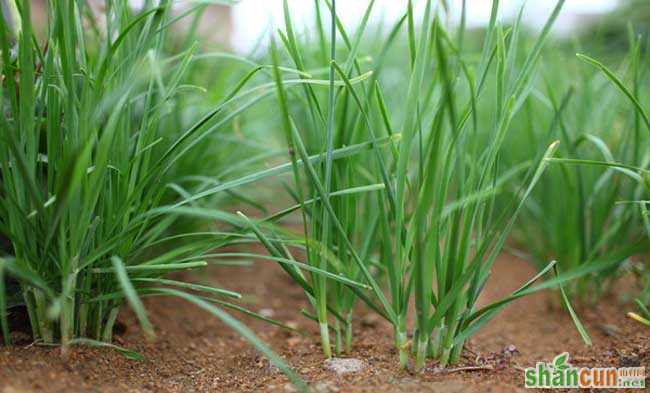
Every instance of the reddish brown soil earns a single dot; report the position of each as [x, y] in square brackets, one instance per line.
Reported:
[194, 352]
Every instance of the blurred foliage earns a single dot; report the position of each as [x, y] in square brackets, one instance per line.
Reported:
[609, 33]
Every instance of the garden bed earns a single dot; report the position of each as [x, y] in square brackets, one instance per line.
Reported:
[196, 352]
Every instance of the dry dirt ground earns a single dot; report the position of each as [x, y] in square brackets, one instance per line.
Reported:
[195, 352]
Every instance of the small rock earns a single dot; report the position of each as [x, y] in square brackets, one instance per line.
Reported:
[370, 320]
[325, 387]
[436, 370]
[267, 313]
[406, 381]
[293, 341]
[510, 350]
[344, 365]
[609, 329]
[629, 361]
[289, 388]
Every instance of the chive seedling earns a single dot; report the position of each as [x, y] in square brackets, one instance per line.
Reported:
[433, 230]
[88, 162]
[588, 225]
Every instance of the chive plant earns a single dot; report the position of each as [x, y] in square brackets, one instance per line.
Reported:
[633, 167]
[442, 158]
[588, 224]
[640, 175]
[431, 230]
[90, 181]
[329, 225]
[68, 134]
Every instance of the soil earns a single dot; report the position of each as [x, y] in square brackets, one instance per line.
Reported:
[195, 352]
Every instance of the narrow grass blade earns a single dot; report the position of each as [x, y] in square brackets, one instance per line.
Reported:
[193, 287]
[153, 268]
[128, 353]
[132, 296]
[617, 82]
[319, 271]
[579, 326]
[638, 318]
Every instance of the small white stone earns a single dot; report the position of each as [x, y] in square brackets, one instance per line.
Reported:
[325, 387]
[344, 365]
[267, 312]
[289, 388]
